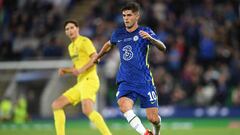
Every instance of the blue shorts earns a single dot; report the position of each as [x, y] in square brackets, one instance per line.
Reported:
[146, 93]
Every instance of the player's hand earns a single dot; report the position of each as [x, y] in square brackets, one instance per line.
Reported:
[61, 71]
[144, 35]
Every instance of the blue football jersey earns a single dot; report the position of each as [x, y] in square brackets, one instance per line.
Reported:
[133, 50]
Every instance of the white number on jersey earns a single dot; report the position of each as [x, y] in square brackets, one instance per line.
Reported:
[152, 96]
[128, 54]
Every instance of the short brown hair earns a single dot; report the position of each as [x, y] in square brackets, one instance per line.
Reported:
[75, 22]
[134, 6]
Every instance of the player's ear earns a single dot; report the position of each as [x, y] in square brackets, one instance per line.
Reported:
[77, 28]
[138, 15]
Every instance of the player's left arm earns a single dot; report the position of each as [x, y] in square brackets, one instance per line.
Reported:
[87, 66]
[159, 44]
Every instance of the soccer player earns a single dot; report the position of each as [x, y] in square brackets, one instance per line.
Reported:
[82, 53]
[134, 78]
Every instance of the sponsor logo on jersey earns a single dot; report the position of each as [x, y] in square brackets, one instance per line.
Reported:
[127, 39]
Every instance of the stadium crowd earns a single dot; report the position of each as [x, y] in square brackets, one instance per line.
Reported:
[201, 66]
[29, 28]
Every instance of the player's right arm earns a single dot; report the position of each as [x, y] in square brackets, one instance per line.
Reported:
[105, 49]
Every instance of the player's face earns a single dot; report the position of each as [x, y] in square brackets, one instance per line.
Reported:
[71, 31]
[130, 18]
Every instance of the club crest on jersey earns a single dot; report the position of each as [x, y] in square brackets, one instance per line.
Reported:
[135, 38]
[128, 54]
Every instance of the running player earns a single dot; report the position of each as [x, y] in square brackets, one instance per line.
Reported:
[134, 78]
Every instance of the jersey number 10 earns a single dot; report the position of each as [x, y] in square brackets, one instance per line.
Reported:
[152, 96]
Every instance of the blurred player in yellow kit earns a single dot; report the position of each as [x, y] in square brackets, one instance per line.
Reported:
[82, 53]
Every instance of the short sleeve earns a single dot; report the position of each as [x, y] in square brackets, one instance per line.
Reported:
[113, 39]
[152, 34]
[89, 47]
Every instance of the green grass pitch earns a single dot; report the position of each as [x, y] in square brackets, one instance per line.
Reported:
[120, 127]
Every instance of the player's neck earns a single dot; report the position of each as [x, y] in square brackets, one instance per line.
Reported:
[75, 38]
[133, 28]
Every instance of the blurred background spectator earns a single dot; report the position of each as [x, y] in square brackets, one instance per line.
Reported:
[6, 109]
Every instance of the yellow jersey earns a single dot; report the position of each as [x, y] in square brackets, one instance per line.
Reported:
[80, 50]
